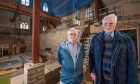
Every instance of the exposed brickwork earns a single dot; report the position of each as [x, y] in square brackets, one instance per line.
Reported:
[34, 73]
[52, 39]
[52, 73]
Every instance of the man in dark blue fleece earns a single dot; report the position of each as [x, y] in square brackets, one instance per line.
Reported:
[70, 57]
[112, 55]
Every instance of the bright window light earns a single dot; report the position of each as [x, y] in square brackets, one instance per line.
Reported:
[45, 7]
[25, 2]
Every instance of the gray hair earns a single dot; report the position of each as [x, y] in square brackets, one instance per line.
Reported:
[110, 16]
[72, 30]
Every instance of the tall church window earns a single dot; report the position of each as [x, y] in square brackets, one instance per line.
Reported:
[25, 2]
[89, 13]
[45, 7]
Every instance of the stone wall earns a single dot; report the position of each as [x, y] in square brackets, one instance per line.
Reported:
[131, 8]
[7, 16]
[28, 42]
[34, 73]
[9, 40]
[9, 30]
[95, 29]
[52, 73]
[53, 38]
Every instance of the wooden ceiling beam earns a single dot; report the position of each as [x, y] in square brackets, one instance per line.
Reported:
[25, 10]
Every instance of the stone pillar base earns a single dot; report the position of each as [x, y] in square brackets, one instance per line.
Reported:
[34, 73]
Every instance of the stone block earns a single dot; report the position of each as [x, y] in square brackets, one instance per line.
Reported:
[34, 73]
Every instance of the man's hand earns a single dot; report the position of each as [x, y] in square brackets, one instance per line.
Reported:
[93, 76]
[84, 68]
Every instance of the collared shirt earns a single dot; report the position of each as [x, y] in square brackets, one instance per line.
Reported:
[112, 34]
[73, 51]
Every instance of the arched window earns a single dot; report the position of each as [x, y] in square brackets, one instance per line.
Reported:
[24, 25]
[77, 14]
[44, 28]
[89, 13]
[45, 7]
[25, 2]
[77, 17]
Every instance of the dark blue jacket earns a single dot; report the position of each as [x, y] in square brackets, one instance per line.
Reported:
[69, 73]
[123, 63]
